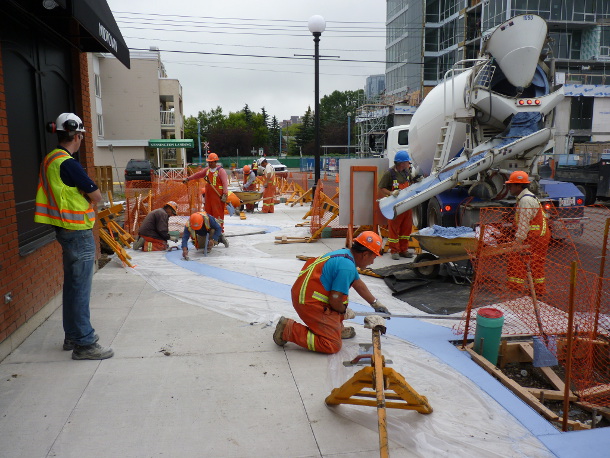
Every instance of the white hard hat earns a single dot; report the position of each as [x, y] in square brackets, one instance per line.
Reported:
[69, 122]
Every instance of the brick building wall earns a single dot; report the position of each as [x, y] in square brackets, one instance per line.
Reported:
[34, 281]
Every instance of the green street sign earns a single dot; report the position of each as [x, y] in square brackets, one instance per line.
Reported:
[169, 143]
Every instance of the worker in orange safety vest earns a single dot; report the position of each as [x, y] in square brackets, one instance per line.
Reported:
[531, 229]
[320, 296]
[216, 188]
[268, 187]
[390, 184]
[249, 184]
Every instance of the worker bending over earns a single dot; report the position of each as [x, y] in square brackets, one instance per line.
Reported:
[268, 187]
[197, 227]
[249, 184]
[532, 229]
[154, 231]
[216, 188]
[320, 296]
[390, 184]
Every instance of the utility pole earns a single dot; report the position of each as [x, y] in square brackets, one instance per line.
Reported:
[199, 138]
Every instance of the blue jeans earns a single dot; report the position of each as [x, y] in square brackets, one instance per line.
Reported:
[79, 258]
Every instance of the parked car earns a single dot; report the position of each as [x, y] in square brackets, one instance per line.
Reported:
[280, 169]
[139, 169]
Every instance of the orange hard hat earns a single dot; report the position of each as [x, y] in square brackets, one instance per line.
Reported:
[370, 240]
[518, 177]
[196, 221]
[246, 169]
[212, 157]
[173, 205]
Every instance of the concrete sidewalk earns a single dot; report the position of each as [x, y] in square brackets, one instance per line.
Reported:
[184, 381]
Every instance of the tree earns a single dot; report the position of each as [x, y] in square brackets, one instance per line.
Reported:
[274, 134]
[247, 114]
[305, 136]
[333, 115]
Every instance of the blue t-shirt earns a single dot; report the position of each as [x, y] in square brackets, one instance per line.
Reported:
[73, 174]
[202, 232]
[339, 272]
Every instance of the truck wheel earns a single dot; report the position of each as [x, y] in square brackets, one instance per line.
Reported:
[427, 271]
[435, 216]
[590, 195]
[420, 219]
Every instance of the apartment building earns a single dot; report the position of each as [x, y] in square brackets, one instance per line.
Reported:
[138, 113]
[426, 38]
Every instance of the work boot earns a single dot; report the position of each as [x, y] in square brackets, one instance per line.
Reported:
[222, 239]
[93, 351]
[279, 330]
[348, 332]
[139, 243]
[405, 254]
[69, 344]
[395, 256]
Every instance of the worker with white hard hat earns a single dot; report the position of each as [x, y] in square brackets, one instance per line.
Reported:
[66, 200]
[320, 296]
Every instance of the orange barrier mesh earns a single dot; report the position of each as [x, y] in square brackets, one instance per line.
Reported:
[325, 213]
[142, 197]
[531, 284]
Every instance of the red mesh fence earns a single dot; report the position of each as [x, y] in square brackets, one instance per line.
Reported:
[531, 284]
[141, 197]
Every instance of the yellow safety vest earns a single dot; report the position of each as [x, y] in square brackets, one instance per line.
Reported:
[57, 203]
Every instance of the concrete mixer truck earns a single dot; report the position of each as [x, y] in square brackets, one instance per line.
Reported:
[489, 117]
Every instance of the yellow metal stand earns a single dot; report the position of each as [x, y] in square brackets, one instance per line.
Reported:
[379, 386]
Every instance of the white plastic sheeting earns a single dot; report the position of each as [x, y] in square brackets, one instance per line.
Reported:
[251, 281]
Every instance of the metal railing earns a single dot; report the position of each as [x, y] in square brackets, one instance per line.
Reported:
[168, 118]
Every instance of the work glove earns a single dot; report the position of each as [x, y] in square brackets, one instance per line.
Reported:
[173, 238]
[223, 198]
[185, 181]
[379, 307]
[372, 321]
[395, 193]
[349, 314]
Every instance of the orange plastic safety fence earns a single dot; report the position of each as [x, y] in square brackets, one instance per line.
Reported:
[531, 283]
[141, 197]
[325, 214]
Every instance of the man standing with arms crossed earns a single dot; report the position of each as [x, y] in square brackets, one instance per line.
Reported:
[65, 199]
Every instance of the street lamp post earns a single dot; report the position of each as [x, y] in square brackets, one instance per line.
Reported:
[199, 138]
[280, 153]
[316, 25]
[349, 136]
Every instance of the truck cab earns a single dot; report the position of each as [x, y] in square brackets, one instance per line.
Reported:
[396, 139]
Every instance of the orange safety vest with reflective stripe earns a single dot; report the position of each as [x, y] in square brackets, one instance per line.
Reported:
[57, 203]
[214, 180]
[538, 224]
[308, 284]
[269, 180]
[206, 223]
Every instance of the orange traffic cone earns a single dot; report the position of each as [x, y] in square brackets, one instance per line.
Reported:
[337, 178]
[290, 175]
[325, 177]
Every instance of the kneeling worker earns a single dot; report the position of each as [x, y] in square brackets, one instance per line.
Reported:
[154, 231]
[197, 227]
[320, 293]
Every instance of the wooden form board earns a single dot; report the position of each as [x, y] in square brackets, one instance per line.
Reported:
[364, 190]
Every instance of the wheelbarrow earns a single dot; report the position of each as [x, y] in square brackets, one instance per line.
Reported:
[248, 197]
[440, 250]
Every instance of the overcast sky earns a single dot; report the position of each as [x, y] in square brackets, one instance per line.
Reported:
[283, 84]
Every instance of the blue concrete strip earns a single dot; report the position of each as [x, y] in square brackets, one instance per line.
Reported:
[437, 340]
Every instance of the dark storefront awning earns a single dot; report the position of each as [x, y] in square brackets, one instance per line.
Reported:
[96, 18]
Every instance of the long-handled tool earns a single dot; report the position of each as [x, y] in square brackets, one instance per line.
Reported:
[423, 317]
[542, 356]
